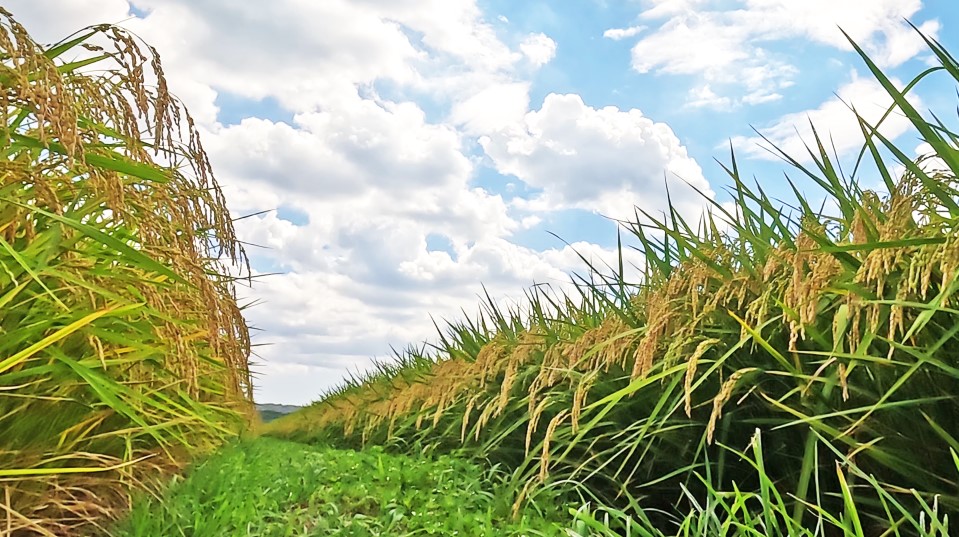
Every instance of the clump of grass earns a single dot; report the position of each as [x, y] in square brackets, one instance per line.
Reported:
[267, 487]
[832, 333]
[122, 348]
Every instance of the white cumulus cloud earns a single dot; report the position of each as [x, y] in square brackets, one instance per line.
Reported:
[617, 34]
[834, 121]
[733, 44]
[605, 160]
[374, 161]
[538, 48]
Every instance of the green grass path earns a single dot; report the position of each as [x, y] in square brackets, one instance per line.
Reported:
[267, 487]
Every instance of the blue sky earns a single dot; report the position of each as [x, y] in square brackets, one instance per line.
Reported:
[409, 151]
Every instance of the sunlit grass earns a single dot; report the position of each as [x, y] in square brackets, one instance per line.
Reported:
[272, 488]
[779, 370]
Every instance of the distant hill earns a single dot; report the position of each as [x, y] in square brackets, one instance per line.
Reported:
[269, 412]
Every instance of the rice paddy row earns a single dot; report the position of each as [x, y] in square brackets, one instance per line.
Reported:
[123, 351]
[779, 369]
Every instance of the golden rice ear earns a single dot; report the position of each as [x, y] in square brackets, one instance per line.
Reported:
[534, 419]
[554, 423]
[691, 367]
[579, 397]
[721, 398]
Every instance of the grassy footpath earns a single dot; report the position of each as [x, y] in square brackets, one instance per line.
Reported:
[267, 487]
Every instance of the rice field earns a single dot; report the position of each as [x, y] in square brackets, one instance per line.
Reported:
[779, 369]
[123, 352]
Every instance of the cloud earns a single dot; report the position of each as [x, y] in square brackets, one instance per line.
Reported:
[323, 322]
[697, 42]
[902, 43]
[306, 56]
[371, 174]
[833, 120]
[344, 152]
[604, 160]
[928, 160]
[49, 21]
[617, 34]
[667, 8]
[736, 48]
[704, 96]
[387, 97]
[492, 107]
[538, 48]
[876, 24]
[376, 179]
[761, 96]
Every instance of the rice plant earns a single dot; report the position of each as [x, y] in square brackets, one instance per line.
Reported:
[779, 369]
[122, 348]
